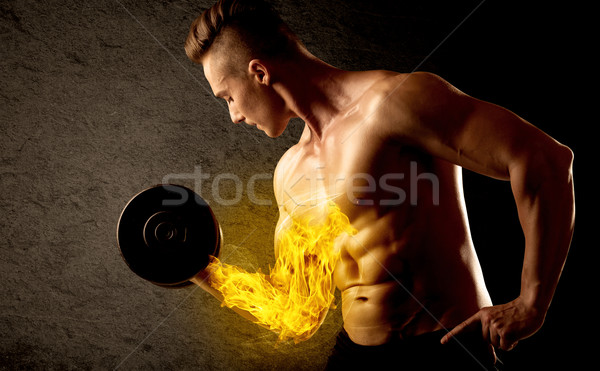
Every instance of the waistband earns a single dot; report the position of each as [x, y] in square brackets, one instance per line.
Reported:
[465, 348]
[432, 338]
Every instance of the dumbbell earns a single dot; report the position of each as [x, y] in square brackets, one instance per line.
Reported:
[166, 235]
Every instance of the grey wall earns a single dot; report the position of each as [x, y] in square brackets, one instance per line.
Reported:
[98, 101]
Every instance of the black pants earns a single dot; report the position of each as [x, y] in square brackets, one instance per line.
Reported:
[423, 352]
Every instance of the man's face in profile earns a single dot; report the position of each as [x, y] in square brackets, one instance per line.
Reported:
[249, 96]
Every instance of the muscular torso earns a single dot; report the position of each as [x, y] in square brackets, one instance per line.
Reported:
[411, 268]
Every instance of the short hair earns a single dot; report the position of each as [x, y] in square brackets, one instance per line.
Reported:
[254, 23]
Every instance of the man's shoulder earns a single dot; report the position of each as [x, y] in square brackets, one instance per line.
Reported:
[394, 95]
[387, 84]
[394, 103]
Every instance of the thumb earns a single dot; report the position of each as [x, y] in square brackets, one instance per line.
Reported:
[471, 321]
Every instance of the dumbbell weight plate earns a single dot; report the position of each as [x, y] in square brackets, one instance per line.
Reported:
[166, 235]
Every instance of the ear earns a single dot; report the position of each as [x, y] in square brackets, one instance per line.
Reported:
[259, 71]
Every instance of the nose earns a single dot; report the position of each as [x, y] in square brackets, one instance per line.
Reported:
[236, 117]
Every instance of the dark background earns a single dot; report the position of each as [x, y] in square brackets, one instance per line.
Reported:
[98, 102]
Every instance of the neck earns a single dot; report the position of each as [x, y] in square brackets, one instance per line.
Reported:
[313, 91]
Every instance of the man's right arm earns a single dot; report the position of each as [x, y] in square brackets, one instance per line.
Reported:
[203, 279]
[294, 298]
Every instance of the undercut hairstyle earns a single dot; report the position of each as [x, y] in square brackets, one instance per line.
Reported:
[247, 29]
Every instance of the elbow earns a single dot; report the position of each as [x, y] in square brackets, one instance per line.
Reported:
[546, 167]
[559, 181]
[566, 165]
[563, 162]
[554, 172]
[544, 179]
[553, 163]
[568, 156]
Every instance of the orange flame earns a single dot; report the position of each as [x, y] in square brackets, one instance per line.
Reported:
[295, 298]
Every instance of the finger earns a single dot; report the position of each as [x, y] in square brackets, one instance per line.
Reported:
[507, 345]
[503, 342]
[492, 352]
[474, 319]
[496, 340]
[486, 332]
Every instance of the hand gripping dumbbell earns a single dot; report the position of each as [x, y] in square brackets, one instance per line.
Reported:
[167, 234]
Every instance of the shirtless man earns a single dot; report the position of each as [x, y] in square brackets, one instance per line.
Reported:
[388, 148]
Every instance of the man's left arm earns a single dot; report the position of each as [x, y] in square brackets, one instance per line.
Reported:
[542, 184]
[493, 141]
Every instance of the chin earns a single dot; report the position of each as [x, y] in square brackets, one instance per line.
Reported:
[271, 134]
[274, 132]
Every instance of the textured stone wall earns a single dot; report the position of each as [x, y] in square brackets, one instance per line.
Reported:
[98, 101]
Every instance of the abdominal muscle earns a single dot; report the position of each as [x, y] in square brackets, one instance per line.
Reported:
[395, 290]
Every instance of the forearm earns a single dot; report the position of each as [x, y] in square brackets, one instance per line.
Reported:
[543, 192]
[203, 279]
[276, 303]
